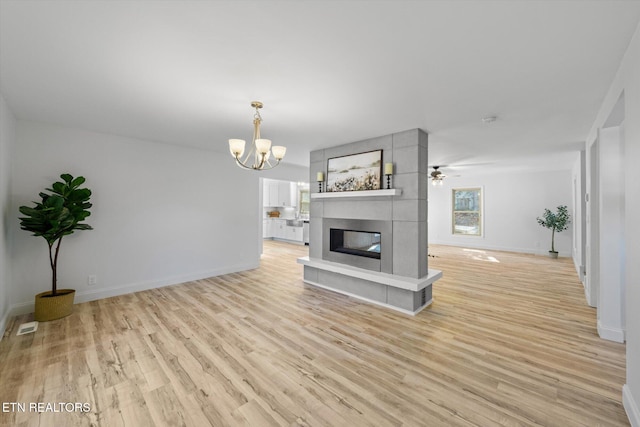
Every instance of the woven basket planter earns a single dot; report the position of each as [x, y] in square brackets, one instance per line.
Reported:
[54, 307]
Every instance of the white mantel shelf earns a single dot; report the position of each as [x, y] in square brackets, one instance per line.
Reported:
[367, 193]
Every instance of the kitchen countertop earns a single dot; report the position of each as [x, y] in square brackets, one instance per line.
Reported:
[286, 219]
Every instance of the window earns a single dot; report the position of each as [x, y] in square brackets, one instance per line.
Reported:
[467, 211]
[304, 201]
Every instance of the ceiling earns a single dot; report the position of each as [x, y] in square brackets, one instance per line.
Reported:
[328, 72]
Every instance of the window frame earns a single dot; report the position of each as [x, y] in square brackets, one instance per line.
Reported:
[302, 201]
[480, 211]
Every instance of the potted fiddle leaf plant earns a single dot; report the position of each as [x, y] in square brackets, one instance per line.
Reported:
[60, 212]
[556, 221]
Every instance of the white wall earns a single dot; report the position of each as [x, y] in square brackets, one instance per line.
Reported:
[511, 204]
[162, 214]
[627, 82]
[579, 222]
[7, 138]
[286, 172]
[611, 235]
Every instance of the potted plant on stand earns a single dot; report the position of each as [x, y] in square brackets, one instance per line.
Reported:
[58, 214]
[558, 221]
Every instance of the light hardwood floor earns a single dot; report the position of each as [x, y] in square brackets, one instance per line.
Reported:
[509, 340]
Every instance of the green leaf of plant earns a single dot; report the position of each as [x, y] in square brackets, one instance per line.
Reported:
[58, 188]
[77, 182]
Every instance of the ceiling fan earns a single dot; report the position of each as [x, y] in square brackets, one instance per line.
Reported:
[436, 176]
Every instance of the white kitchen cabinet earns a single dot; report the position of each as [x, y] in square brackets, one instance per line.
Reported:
[295, 194]
[279, 229]
[289, 233]
[279, 193]
[267, 229]
[287, 194]
[284, 194]
[294, 233]
[274, 193]
[266, 193]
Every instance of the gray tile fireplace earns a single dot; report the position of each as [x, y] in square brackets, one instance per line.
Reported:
[372, 245]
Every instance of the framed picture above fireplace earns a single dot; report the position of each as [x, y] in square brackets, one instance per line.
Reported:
[355, 172]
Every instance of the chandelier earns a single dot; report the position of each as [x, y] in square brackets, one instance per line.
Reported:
[257, 158]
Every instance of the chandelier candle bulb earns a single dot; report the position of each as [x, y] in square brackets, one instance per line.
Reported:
[236, 146]
[263, 145]
[278, 151]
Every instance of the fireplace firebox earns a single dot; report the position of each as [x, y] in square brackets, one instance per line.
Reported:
[354, 242]
[359, 243]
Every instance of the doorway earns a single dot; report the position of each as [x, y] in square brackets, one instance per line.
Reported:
[606, 226]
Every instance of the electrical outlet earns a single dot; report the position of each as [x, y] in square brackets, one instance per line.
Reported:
[92, 280]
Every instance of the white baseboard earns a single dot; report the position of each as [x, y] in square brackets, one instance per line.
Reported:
[611, 334]
[3, 321]
[92, 295]
[86, 296]
[588, 298]
[630, 406]
[466, 244]
[592, 302]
